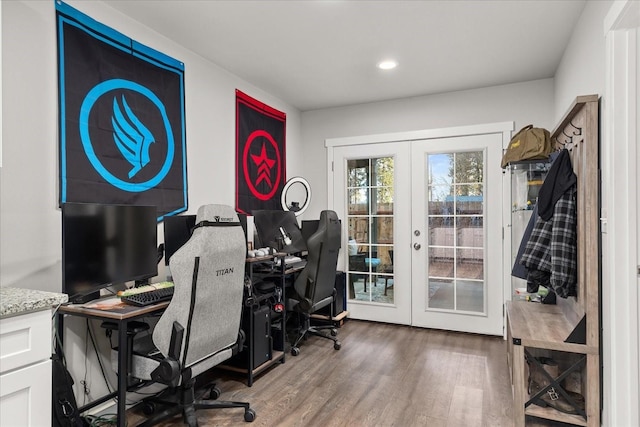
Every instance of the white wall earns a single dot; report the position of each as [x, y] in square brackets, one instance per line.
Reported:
[582, 68]
[30, 251]
[30, 227]
[524, 103]
[582, 72]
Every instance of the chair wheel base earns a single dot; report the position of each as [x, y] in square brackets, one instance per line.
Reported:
[214, 393]
[295, 351]
[337, 345]
[249, 415]
[148, 408]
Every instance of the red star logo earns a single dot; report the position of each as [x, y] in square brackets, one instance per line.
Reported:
[264, 164]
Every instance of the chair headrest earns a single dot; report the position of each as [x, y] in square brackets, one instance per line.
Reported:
[216, 213]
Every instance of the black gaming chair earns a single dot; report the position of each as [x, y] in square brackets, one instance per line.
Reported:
[314, 287]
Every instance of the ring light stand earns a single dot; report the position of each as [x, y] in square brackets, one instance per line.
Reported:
[296, 207]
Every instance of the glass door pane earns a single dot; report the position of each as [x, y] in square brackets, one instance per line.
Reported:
[455, 218]
[370, 206]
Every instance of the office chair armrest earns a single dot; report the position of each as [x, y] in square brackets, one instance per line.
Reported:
[306, 304]
[239, 346]
[168, 372]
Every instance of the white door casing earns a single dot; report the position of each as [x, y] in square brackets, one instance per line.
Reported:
[621, 202]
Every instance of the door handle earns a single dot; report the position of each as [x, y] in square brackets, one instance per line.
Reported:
[416, 246]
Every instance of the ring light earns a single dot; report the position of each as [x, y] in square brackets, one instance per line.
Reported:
[296, 207]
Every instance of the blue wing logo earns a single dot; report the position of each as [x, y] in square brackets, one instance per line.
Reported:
[131, 136]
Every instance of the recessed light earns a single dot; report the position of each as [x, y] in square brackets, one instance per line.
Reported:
[387, 65]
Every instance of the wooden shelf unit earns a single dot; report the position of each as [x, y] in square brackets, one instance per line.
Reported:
[544, 329]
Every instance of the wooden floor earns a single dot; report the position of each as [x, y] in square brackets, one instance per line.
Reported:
[384, 375]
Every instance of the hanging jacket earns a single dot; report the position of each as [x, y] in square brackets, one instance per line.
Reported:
[558, 181]
[550, 252]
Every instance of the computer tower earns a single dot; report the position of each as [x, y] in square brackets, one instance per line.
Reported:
[261, 345]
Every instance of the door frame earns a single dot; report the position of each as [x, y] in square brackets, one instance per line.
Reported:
[504, 128]
[620, 287]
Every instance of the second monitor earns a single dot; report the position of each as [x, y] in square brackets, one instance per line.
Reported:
[279, 230]
[177, 231]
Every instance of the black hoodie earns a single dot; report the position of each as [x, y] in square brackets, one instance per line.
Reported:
[559, 179]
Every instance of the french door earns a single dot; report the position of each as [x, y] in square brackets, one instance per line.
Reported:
[371, 199]
[422, 226]
[457, 234]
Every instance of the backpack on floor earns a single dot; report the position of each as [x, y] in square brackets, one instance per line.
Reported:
[65, 408]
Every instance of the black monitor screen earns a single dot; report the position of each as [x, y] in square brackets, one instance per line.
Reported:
[309, 227]
[272, 226]
[106, 244]
[243, 222]
[177, 230]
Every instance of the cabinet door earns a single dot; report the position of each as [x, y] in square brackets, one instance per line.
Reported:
[25, 396]
[25, 339]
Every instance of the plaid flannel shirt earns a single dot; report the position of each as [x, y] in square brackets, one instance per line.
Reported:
[550, 253]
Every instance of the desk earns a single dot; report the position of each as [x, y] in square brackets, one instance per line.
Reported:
[122, 314]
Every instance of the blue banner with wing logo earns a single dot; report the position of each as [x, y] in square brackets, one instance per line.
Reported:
[122, 119]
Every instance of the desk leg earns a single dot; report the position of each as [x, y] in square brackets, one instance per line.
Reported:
[283, 316]
[123, 373]
[250, 347]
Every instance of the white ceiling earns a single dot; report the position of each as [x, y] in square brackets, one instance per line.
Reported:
[318, 54]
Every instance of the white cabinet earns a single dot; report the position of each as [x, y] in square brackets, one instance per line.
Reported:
[25, 369]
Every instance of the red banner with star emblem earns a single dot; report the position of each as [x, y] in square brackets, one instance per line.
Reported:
[260, 155]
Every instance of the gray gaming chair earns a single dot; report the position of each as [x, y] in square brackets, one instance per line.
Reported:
[314, 287]
[201, 326]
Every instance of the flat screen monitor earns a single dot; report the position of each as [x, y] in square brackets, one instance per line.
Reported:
[309, 227]
[104, 245]
[243, 222]
[275, 227]
[177, 231]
